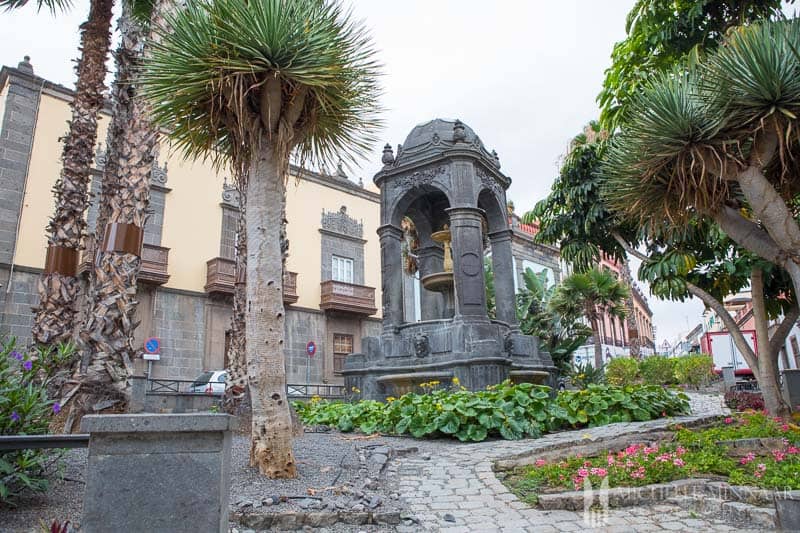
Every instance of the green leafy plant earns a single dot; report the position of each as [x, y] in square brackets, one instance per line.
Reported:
[583, 375]
[506, 410]
[622, 371]
[657, 370]
[694, 370]
[26, 410]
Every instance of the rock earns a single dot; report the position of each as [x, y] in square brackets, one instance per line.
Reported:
[449, 518]
[268, 502]
[244, 503]
[378, 458]
[383, 450]
[374, 502]
[358, 508]
[426, 457]
[275, 500]
[256, 504]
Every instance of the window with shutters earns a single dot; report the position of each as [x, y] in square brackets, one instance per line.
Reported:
[341, 269]
[230, 222]
[342, 347]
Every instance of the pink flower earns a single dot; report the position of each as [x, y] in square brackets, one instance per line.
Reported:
[582, 472]
[587, 464]
[791, 450]
[678, 462]
[749, 458]
[680, 450]
[611, 460]
[785, 427]
[648, 449]
[638, 473]
[778, 455]
[540, 462]
[602, 472]
[729, 420]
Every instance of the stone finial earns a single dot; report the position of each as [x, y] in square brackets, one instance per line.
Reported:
[459, 134]
[388, 156]
[340, 171]
[496, 159]
[25, 65]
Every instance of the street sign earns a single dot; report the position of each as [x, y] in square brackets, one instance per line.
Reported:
[311, 348]
[152, 349]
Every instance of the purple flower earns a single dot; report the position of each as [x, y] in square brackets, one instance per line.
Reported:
[27, 365]
[14, 416]
[56, 407]
[16, 355]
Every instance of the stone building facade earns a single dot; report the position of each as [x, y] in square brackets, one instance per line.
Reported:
[186, 281]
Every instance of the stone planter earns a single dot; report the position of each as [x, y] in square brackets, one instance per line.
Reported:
[787, 507]
[157, 472]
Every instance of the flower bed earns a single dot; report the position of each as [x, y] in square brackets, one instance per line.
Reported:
[691, 453]
[506, 410]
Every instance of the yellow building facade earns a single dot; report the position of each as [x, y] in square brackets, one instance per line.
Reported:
[186, 283]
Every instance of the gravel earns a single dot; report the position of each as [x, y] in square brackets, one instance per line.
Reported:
[336, 472]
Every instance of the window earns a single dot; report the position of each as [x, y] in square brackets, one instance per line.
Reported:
[230, 225]
[342, 269]
[342, 346]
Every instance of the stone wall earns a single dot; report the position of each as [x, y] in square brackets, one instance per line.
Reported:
[303, 326]
[16, 137]
[178, 320]
[17, 315]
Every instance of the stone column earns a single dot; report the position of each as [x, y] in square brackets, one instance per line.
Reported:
[466, 228]
[502, 259]
[430, 262]
[157, 472]
[391, 276]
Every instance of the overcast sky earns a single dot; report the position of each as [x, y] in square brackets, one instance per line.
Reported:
[523, 74]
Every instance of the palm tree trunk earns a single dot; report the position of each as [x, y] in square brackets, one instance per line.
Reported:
[236, 384]
[271, 446]
[598, 347]
[107, 334]
[58, 287]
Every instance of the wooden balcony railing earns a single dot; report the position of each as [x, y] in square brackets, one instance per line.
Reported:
[155, 261]
[221, 278]
[348, 298]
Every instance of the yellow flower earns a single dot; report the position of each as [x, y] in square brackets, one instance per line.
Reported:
[434, 383]
[456, 381]
[390, 399]
[356, 390]
[315, 399]
[439, 406]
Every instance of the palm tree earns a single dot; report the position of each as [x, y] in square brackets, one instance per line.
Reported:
[107, 333]
[720, 141]
[236, 377]
[246, 82]
[56, 314]
[594, 292]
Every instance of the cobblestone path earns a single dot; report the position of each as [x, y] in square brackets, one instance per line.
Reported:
[455, 490]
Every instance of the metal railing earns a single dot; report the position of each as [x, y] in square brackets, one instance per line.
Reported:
[305, 391]
[293, 390]
[174, 386]
[35, 442]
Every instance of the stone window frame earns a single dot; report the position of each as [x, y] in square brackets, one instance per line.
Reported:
[346, 266]
[341, 235]
[343, 344]
[229, 224]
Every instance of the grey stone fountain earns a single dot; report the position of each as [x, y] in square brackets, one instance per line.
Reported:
[451, 187]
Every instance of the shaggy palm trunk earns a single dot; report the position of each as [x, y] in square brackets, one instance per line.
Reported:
[107, 334]
[59, 285]
[767, 370]
[271, 446]
[236, 384]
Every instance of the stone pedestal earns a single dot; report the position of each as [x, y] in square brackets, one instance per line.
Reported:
[791, 384]
[157, 472]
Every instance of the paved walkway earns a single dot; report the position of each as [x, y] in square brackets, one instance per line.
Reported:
[458, 484]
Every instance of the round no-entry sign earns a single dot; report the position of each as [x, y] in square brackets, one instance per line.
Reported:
[311, 348]
[152, 345]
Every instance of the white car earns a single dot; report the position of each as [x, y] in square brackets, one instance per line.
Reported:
[211, 383]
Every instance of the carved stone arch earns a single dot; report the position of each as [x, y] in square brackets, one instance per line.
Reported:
[401, 205]
[494, 208]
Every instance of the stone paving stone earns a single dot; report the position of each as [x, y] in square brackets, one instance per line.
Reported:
[674, 526]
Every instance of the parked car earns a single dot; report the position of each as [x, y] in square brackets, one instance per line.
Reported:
[211, 382]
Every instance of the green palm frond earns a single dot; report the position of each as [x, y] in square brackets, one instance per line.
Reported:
[54, 6]
[669, 158]
[757, 72]
[209, 79]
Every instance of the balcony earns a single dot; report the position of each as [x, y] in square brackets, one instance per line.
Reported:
[221, 278]
[347, 298]
[155, 260]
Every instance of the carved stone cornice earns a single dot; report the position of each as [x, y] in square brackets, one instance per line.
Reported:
[230, 196]
[340, 222]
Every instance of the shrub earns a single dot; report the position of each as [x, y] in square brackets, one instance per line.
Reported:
[657, 370]
[586, 374]
[622, 371]
[694, 370]
[742, 401]
[26, 410]
[506, 410]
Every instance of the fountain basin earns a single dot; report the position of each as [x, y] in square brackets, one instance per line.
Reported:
[438, 282]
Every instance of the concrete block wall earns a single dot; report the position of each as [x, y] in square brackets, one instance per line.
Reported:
[301, 327]
[179, 321]
[17, 314]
